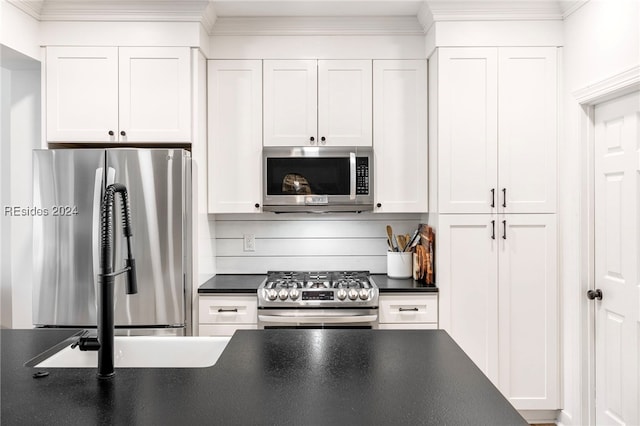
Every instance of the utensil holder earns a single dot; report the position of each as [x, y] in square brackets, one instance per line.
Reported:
[399, 264]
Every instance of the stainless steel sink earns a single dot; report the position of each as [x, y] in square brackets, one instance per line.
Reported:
[145, 352]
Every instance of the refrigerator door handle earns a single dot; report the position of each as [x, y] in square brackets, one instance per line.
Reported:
[111, 176]
[95, 227]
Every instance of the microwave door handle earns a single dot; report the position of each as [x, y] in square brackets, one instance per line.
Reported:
[352, 172]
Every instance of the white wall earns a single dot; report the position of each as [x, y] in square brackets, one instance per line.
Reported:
[19, 31]
[307, 241]
[601, 39]
[20, 111]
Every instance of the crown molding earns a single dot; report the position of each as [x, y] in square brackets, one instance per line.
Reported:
[321, 25]
[455, 10]
[30, 7]
[425, 17]
[115, 10]
[209, 18]
[569, 7]
[625, 82]
[203, 11]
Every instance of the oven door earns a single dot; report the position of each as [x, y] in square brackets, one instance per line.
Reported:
[318, 318]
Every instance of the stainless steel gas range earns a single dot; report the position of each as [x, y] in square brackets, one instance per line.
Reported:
[338, 299]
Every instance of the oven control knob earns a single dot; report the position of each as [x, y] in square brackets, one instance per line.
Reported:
[272, 294]
[294, 294]
[283, 294]
[342, 294]
[353, 294]
[364, 294]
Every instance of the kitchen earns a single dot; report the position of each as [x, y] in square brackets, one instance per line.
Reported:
[608, 29]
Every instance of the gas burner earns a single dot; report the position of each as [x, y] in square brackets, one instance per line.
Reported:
[318, 284]
[287, 284]
[292, 289]
[348, 283]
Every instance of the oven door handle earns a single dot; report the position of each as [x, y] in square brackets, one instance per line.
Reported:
[317, 319]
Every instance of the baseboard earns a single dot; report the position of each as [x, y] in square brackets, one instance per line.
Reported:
[540, 416]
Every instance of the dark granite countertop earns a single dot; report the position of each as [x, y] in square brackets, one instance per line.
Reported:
[395, 285]
[248, 283]
[232, 283]
[272, 377]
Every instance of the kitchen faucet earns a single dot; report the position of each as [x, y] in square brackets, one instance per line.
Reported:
[104, 343]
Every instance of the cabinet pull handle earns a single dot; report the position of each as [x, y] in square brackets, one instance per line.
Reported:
[493, 229]
[228, 310]
[493, 197]
[504, 197]
[408, 309]
[504, 229]
[323, 140]
[123, 133]
[110, 132]
[312, 140]
[379, 205]
[257, 205]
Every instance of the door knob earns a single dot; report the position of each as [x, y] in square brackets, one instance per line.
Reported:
[594, 294]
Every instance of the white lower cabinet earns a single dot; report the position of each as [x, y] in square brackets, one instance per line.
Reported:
[497, 276]
[408, 311]
[222, 315]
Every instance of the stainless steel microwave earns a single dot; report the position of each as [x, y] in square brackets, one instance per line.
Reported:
[317, 179]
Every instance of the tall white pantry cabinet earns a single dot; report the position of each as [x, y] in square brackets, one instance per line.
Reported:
[493, 132]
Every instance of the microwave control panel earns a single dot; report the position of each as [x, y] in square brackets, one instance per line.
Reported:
[362, 176]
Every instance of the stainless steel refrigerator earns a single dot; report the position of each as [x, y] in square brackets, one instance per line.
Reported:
[67, 189]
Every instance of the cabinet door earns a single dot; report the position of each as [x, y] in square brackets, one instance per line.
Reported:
[528, 312]
[82, 94]
[290, 103]
[235, 135]
[400, 135]
[527, 129]
[155, 94]
[467, 130]
[344, 102]
[467, 267]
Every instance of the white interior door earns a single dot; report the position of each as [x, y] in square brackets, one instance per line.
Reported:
[617, 140]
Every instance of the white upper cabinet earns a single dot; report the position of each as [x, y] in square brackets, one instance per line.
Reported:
[467, 129]
[155, 94]
[290, 103]
[400, 135]
[235, 135]
[111, 94]
[315, 103]
[527, 129]
[82, 94]
[496, 130]
[344, 102]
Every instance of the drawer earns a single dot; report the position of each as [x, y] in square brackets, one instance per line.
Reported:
[409, 326]
[408, 309]
[228, 310]
[223, 329]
